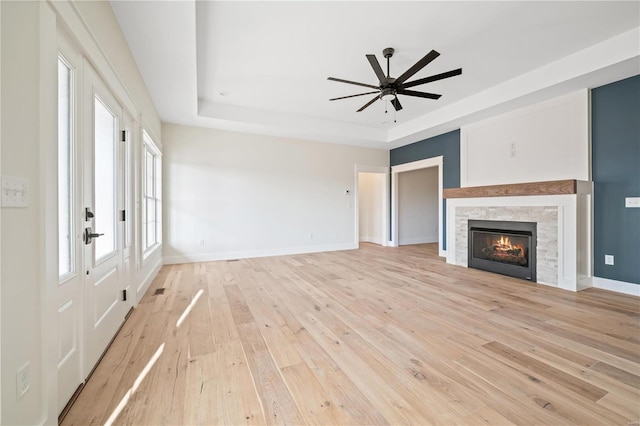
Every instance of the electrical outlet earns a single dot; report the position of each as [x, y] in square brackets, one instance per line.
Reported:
[632, 202]
[608, 259]
[202, 242]
[513, 149]
[23, 380]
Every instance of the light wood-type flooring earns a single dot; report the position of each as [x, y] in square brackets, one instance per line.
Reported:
[370, 336]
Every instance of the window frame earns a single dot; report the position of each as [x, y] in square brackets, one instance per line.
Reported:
[71, 159]
[149, 148]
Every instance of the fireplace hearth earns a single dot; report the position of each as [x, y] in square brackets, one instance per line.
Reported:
[503, 247]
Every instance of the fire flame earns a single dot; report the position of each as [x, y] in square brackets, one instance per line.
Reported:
[504, 244]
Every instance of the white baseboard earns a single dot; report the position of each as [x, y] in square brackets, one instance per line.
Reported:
[246, 254]
[617, 286]
[372, 240]
[418, 240]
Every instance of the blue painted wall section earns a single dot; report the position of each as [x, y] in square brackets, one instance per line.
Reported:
[447, 145]
[615, 110]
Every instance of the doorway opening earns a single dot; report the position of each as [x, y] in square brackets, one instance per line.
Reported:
[418, 206]
[372, 205]
[403, 183]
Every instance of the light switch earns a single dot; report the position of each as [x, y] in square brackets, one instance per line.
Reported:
[608, 259]
[15, 192]
[632, 202]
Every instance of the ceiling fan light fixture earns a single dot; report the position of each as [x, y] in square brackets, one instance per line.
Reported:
[388, 95]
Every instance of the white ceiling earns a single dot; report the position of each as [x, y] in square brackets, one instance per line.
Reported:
[263, 66]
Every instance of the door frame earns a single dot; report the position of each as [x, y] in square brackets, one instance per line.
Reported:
[385, 213]
[407, 167]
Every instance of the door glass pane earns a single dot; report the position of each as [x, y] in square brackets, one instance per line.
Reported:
[105, 132]
[65, 223]
[127, 192]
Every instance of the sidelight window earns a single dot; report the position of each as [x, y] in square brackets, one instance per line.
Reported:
[66, 264]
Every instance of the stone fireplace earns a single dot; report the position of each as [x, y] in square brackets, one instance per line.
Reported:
[560, 211]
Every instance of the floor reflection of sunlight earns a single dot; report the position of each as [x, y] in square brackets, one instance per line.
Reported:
[188, 309]
[114, 415]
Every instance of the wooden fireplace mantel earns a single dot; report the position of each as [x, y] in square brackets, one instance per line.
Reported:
[554, 187]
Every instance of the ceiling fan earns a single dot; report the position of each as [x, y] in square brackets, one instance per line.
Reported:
[389, 88]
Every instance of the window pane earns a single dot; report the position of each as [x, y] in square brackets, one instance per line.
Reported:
[65, 223]
[148, 187]
[151, 234]
[151, 210]
[104, 179]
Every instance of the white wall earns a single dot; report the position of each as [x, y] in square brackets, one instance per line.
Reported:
[546, 141]
[371, 206]
[22, 264]
[418, 206]
[29, 264]
[248, 195]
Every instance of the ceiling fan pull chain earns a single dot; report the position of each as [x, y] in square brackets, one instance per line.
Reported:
[395, 112]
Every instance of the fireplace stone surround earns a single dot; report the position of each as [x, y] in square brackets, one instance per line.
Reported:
[561, 209]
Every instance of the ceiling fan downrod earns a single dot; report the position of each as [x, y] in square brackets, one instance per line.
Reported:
[388, 53]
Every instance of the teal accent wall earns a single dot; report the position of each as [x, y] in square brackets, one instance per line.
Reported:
[447, 145]
[615, 126]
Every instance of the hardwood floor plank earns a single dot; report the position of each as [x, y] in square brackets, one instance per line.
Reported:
[630, 379]
[540, 368]
[377, 335]
[278, 405]
[315, 404]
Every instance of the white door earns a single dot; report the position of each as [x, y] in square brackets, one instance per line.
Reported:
[103, 233]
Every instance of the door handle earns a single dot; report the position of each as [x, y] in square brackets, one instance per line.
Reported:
[89, 235]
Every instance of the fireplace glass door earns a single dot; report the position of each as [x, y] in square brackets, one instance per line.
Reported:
[503, 247]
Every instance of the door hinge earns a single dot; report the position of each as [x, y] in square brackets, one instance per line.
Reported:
[124, 295]
[123, 135]
[123, 215]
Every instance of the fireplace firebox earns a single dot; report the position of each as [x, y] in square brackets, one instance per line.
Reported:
[504, 247]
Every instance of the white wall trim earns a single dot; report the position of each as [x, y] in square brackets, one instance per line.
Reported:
[416, 165]
[359, 168]
[209, 257]
[146, 282]
[617, 286]
[419, 240]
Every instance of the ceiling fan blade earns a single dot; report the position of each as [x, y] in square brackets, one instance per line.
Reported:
[418, 66]
[418, 94]
[377, 68]
[352, 82]
[369, 103]
[436, 77]
[352, 96]
[396, 104]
